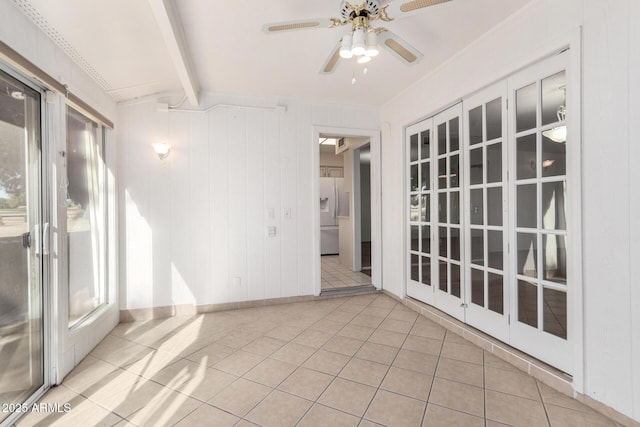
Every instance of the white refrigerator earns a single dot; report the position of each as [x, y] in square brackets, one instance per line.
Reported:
[334, 202]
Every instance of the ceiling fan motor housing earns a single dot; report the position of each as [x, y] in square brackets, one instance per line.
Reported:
[372, 6]
[349, 11]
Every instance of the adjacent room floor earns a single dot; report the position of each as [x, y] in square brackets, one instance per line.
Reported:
[361, 360]
[335, 275]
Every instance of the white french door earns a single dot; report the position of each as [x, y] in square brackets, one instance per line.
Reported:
[489, 228]
[486, 222]
[435, 227]
[539, 212]
[420, 186]
[447, 230]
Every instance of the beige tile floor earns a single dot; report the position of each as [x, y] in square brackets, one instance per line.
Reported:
[362, 360]
[336, 276]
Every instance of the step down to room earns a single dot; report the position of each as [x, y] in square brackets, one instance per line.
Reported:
[351, 290]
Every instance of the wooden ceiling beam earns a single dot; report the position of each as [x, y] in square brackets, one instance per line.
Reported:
[172, 31]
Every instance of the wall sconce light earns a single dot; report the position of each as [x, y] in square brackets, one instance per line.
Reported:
[162, 149]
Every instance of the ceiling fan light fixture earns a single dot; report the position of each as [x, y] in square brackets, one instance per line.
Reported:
[345, 47]
[358, 46]
[557, 134]
[372, 44]
[364, 59]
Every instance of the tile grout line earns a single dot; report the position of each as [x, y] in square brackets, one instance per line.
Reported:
[546, 413]
[433, 379]
[313, 403]
[484, 386]
[394, 359]
[334, 376]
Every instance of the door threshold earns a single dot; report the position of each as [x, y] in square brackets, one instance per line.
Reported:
[351, 290]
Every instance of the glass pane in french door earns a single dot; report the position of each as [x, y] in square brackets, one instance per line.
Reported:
[420, 194]
[487, 238]
[21, 305]
[448, 201]
[541, 205]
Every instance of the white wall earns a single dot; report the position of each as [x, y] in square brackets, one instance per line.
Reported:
[610, 193]
[193, 223]
[22, 35]
[328, 156]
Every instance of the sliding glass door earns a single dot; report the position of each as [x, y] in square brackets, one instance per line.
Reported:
[21, 265]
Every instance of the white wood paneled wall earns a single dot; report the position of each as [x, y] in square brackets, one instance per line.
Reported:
[193, 227]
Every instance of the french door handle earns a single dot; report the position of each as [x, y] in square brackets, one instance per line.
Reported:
[26, 240]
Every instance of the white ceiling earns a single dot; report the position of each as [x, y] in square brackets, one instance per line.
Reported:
[121, 41]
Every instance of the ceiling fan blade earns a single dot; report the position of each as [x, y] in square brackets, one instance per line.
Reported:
[401, 8]
[332, 61]
[276, 27]
[399, 48]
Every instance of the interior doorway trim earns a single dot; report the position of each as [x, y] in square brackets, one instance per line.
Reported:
[376, 206]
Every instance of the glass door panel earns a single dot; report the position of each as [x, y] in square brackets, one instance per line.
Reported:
[449, 292]
[420, 196]
[486, 247]
[85, 206]
[21, 295]
[541, 283]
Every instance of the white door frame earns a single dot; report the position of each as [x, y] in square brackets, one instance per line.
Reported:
[356, 211]
[376, 206]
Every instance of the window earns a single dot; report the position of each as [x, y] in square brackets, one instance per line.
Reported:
[86, 215]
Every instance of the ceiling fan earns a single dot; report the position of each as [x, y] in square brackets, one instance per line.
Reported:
[363, 39]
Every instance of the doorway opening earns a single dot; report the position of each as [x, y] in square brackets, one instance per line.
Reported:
[345, 213]
[362, 162]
